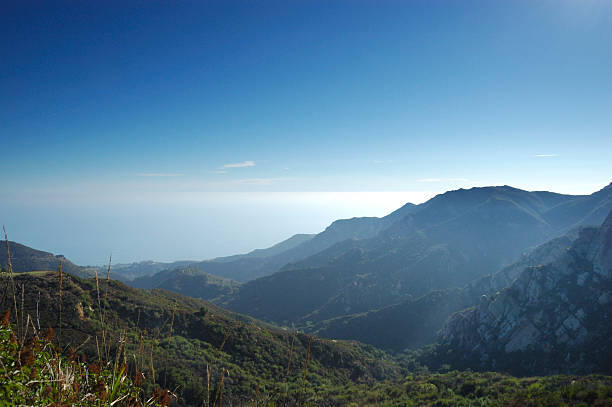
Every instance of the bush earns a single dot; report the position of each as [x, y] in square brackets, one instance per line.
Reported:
[33, 373]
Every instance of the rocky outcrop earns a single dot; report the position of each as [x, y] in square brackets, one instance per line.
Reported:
[555, 317]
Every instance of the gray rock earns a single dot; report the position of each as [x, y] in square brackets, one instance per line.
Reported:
[557, 308]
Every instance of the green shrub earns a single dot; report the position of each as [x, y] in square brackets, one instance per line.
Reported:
[33, 374]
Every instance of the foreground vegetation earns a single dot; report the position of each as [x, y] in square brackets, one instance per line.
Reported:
[33, 373]
[466, 388]
[201, 353]
[210, 357]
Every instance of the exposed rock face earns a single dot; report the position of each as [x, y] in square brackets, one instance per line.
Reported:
[553, 318]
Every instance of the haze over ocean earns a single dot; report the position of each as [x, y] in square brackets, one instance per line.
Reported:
[198, 129]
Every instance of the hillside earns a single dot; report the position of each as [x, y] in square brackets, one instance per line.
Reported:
[410, 324]
[278, 248]
[188, 281]
[415, 322]
[555, 317]
[446, 242]
[25, 259]
[183, 336]
[129, 271]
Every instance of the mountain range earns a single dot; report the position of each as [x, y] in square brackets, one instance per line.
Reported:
[448, 241]
[465, 263]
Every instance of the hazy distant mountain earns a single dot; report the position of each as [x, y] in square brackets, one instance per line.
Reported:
[188, 281]
[262, 262]
[239, 267]
[131, 271]
[555, 317]
[278, 248]
[253, 265]
[445, 242]
[26, 259]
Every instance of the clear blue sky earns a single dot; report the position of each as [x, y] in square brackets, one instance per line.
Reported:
[190, 129]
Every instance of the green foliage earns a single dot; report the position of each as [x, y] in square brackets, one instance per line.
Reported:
[465, 388]
[33, 374]
[176, 340]
[188, 281]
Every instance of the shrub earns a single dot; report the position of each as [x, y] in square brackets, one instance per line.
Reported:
[33, 373]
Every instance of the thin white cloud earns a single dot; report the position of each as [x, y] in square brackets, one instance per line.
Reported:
[546, 155]
[246, 182]
[240, 165]
[257, 181]
[442, 180]
[158, 174]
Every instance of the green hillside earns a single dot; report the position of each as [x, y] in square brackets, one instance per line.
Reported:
[26, 259]
[188, 281]
[176, 338]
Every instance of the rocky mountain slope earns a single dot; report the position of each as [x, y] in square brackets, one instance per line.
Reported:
[555, 317]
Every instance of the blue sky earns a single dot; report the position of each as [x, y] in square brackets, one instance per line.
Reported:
[192, 129]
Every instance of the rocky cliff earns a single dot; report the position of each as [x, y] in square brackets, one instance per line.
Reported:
[555, 317]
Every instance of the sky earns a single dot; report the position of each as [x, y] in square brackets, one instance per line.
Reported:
[194, 129]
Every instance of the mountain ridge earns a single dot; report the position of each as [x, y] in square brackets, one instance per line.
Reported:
[445, 242]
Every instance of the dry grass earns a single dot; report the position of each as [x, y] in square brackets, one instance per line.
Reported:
[61, 280]
[11, 280]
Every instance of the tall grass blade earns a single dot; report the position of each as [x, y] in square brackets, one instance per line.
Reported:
[10, 267]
